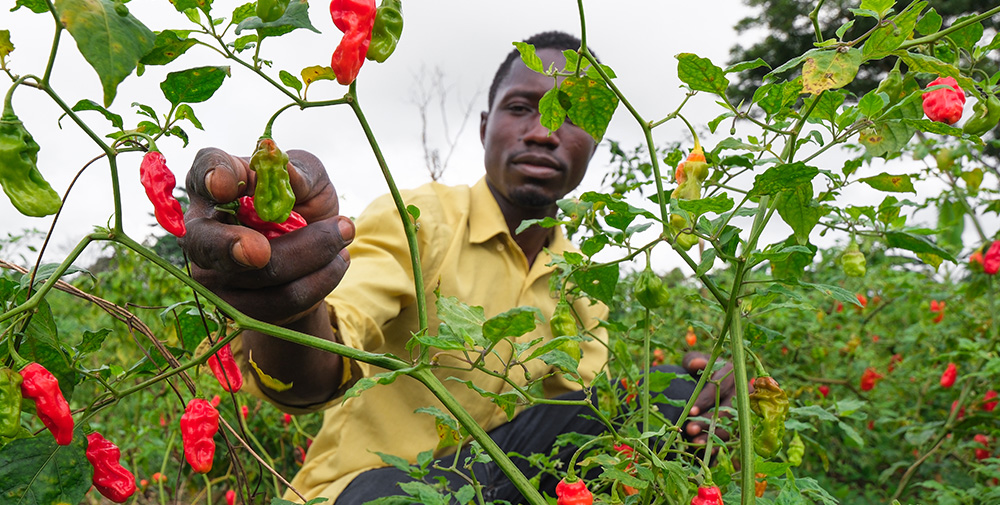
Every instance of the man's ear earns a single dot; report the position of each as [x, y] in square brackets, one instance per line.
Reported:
[483, 116]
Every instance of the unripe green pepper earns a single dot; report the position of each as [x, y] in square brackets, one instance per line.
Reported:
[271, 10]
[273, 196]
[985, 116]
[892, 85]
[650, 291]
[796, 450]
[19, 175]
[10, 403]
[853, 261]
[563, 324]
[770, 403]
[387, 30]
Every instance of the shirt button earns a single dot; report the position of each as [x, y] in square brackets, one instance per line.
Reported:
[500, 247]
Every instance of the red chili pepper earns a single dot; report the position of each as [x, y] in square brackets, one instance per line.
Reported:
[225, 369]
[988, 401]
[863, 300]
[868, 379]
[982, 453]
[287, 419]
[216, 401]
[245, 411]
[708, 496]
[824, 390]
[937, 308]
[40, 385]
[573, 492]
[110, 478]
[230, 497]
[896, 358]
[158, 477]
[247, 216]
[355, 18]
[159, 182]
[949, 376]
[944, 105]
[691, 337]
[991, 260]
[198, 426]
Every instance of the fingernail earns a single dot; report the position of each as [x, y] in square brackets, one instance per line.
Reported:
[208, 183]
[695, 411]
[239, 255]
[346, 228]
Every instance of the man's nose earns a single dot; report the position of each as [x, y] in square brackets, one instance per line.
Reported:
[538, 134]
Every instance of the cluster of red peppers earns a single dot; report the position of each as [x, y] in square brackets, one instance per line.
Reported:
[225, 369]
[111, 479]
[944, 105]
[159, 182]
[199, 423]
[40, 386]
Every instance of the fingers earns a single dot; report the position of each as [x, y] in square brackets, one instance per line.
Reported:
[695, 361]
[315, 196]
[217, 176]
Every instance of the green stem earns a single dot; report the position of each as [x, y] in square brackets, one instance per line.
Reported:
[742, 396]
[432, 383]
[951, 29]
[814, 17]
[55, 43]
[409, 227]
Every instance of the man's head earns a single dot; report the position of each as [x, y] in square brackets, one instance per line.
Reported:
[528, 169]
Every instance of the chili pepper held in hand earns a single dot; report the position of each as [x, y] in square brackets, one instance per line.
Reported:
[944, 105]
[710, 495]
[949, 376]
[573, 492]
[198, 426]
[985, 116]
[30, 193]
[110, 478]
[41, 386]
[246, 214]
[770, 403]
[225, 369]
[869, 378]
[386, 31]
[159, 182]
[271, 10]
[273, 195]
[991, 260]
[650, 291]
[355, 18]
[10, 403]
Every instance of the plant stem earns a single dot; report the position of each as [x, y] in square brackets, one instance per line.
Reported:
[951, 29]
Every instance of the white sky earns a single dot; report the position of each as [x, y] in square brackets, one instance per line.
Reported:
[466, 39]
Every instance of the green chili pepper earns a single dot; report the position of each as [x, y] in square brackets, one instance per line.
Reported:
[892, 85]
[985, 116]
[853, 261]
[563, 323]
[271, 10]
[650, 291]
[10, 403]
[796, 449]
[385, 34]
[273, 196]
[770, 403]
[19, 174]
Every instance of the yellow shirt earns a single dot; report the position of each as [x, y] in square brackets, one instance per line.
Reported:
[467, 251]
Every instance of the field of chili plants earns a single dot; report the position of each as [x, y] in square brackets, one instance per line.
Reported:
[837, 247]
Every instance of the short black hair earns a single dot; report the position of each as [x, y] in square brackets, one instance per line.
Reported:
[545, 40]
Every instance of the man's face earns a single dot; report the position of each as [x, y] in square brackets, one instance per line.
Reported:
[526, 166]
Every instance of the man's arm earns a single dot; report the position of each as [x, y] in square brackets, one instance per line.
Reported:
[282, 281]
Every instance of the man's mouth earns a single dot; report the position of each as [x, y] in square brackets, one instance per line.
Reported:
[536, 165]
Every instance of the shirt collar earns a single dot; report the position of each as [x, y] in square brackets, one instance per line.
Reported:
[486, 220]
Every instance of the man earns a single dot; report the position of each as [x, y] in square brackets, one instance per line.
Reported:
[468, 250]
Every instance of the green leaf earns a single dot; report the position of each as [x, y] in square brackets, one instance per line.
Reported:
[528, 56]
[598, 282]
[926, 125]
[880, 7]
[317, 73]
[92, 341]
[922, 63]
[168, 46]
[183, 5]
[592, 104]
[193, 85]
[463, 321]
[717, 204]
[890, 183]
[886, 38]
[290, 80]
[551, 109]
[366, 383]
[244, 11]
[296, 16]
[795, 264]
[915, 243]
[700, 74]
[830, 70]
[929, 23]
[837, 293]
[243, 43]
[5, 44]
[38, 471]
[513, 323]
[783, 177]
[746, 65]
[969, 35]
[872, 104]
[184, 111]
[111, 43]
[36, 6]
[506, 401]
[85, 104]
[800, 211]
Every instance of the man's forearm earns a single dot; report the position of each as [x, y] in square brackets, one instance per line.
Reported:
[314, 375]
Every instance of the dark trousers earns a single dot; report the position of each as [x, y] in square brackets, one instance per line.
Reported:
[532, 431]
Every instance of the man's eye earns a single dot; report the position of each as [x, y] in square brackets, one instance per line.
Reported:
[519, 108]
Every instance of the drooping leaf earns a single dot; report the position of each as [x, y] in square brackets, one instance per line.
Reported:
[916, 243]
[800, 211]
[830, 70]
[168, 46]
[598, 282]
[592, 104]
[551, 109]
[111, 43]
[6, 46]
[85, 104]
[923, 63]
[290, 80]
[193, 85]
[184, 111]
[512, 323]
[528, 56]
[36, 6]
